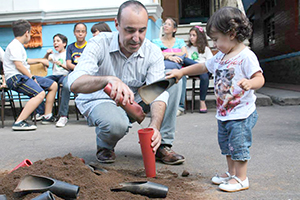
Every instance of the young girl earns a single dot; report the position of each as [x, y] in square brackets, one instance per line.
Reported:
[199, 51]
[237, 74]
[60, 70]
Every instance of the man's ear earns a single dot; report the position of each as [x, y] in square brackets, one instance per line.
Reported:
[117, 24]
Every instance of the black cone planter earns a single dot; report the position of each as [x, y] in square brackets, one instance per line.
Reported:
[34, 183]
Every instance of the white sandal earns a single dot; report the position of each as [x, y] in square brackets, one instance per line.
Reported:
[241, 185]
[218, 180]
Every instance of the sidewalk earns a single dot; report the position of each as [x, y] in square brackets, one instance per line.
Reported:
[272, 170]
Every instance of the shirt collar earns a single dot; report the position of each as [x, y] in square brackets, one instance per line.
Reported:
[114, 46]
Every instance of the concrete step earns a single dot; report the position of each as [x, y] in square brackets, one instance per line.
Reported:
[281, 96]
[262, 100]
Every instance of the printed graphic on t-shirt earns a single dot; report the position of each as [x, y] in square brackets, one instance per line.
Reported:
[227, 92]
[61, 61]
[195, 56]
[75, 56]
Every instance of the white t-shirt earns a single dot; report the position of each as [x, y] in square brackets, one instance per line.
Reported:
[15, 51]
[199, 57]
[1, 54]
[61, 57]
[232, 101]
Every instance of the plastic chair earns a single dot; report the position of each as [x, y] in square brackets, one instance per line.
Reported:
[7, 101]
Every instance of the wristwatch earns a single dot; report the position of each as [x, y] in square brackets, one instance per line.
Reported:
[33, 78]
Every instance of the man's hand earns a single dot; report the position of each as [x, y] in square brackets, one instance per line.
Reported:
[174, 73]
[120, 92]
[156, 139]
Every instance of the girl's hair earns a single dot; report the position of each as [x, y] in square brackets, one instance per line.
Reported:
[63, 38]
[20, 27]
[101, 27]
[201, 41]
[78, 24]
[230, 20]
[175, 25]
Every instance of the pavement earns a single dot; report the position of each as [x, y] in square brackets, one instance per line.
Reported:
[273, 170]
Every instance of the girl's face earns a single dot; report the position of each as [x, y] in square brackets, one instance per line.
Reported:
[223, 43]
[193, 37]
[58, 44]
[168, 26]
[80, 32]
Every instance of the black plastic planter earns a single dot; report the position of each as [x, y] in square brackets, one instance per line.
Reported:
[45, 196]
[34, 183]
[150, 92]
[146, 188]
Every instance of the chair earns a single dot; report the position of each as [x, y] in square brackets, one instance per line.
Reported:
[196, 90]
[7, 101]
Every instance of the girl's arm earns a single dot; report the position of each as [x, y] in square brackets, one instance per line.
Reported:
[191, 70]
[256, 81]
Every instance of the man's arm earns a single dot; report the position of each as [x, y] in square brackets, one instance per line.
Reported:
[157, 115]
[89, 84]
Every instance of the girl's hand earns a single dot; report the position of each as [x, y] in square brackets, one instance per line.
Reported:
[245, 84]
[174, 73]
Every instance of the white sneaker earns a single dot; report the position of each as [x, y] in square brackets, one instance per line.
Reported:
[218, 180]
[38, 117]
[179, 112]
[241, 185]
[62, 122]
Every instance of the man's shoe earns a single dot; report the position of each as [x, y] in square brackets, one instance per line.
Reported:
[62, 122]
[48, 121]
[23, 126]
[104, 155]
[166, 155]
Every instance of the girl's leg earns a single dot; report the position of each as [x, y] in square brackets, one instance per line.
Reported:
[240, 169]
[204, 82]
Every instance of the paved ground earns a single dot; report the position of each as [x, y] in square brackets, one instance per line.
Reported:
[273, 170]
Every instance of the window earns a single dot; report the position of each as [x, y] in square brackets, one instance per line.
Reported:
[267, 6]
[269, 30]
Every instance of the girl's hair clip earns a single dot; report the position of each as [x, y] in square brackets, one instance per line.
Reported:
[200, 28]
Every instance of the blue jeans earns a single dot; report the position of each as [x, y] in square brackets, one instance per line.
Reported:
[204, 82]
[65, 98]
[57, 78]
[113, 127]
[235, 137]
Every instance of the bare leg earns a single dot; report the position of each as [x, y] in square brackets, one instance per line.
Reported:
[231, 168]
[241, 170]
[31, 105]
[203, 105]
[50, 98]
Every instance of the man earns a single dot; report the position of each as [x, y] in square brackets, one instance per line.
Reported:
[126, 60]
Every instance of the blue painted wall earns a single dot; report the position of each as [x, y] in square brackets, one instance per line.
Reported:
[48, 31]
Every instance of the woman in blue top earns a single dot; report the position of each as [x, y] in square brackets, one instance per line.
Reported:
[174, 49]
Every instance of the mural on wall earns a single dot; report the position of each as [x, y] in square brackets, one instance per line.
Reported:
[36, 36]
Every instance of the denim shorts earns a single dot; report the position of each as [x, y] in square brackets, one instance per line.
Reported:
[24, 84]
[235, 137]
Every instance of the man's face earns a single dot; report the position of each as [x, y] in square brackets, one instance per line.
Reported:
[132, 30]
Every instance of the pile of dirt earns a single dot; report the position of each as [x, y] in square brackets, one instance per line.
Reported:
[97, 186]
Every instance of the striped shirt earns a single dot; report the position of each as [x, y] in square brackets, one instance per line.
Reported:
[102, 57]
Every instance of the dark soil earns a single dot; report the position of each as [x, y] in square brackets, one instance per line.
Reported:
[97, 186]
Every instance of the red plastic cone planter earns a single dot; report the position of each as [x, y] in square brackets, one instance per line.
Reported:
[133, 110]
[24, 163]
[147, 151]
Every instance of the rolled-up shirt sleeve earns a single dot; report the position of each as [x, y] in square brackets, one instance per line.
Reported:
[88, 62]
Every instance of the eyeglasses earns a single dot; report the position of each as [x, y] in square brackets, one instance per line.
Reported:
[167, 24]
